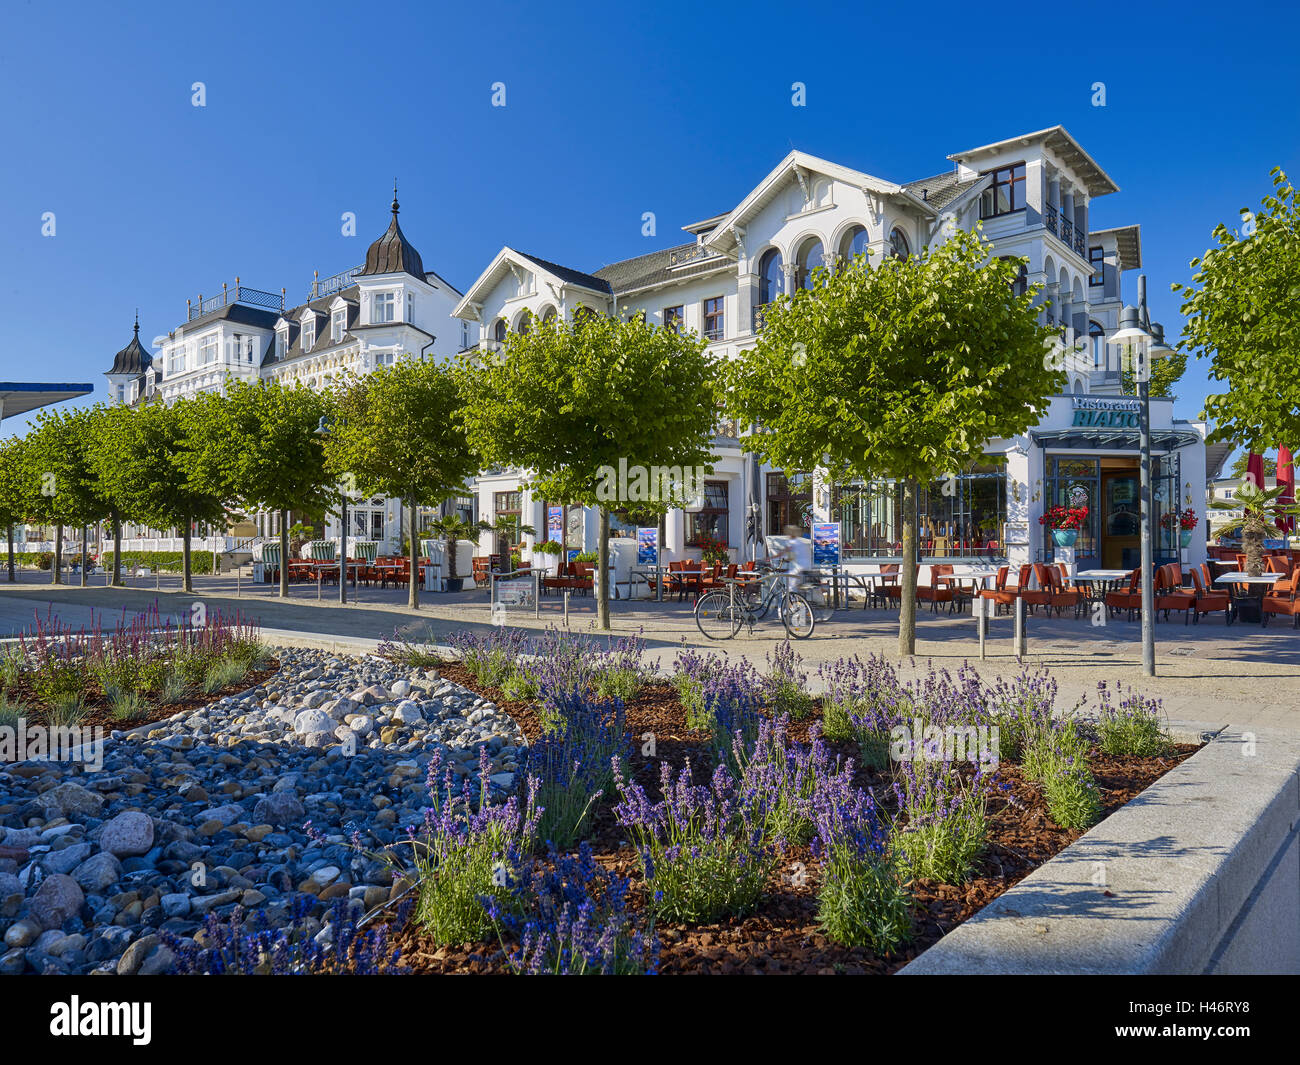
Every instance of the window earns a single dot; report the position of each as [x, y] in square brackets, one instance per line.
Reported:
[675, 318]
[248, 349]
[1097, 257]
[854, 243]
[499, 331]
[507, 507]
[711, 520]
[464, 335]
[338, 324]
[1021, 284]
[789, 501]
[714, 322]
[810, 257]
[1007, 193]
[281, 342]
[771, 277]
[1097, 341]
[898, 246]
[176, 358]
[383, 308]
[410, 307]
[207, 350]
[308, 332]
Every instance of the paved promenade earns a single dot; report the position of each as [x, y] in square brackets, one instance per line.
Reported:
[1210, 673]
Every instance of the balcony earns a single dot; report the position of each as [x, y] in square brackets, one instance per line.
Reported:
[1061, 227]
[250, 297]
[330, 285]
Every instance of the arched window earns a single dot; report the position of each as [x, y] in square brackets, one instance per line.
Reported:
[525, 324]
[853, 243]
[811, 256]
[771, 276]
[548, 315]
[499, 331]
[1021, 284]
[898, 246]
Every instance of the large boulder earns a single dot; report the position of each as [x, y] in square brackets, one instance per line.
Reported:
[309, 721]
[128, 834]
[73, 801]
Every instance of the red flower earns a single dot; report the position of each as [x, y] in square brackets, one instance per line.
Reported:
[1060, 517]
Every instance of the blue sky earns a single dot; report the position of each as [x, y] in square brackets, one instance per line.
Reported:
[676, 108]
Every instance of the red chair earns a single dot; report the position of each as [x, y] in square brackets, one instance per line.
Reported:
[1042, 595]
[1130, 600]
[1169, 591]
[999, 588]
[1063, 594]
[1286, 603]
[1208, 598]
[938, 590]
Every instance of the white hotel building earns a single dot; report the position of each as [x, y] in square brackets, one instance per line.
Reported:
[1033, 196]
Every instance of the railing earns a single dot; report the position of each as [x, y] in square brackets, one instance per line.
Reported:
[1051, 219]
[691, 256]
[757, 322]
[1067, 232]
[330, 285]
[1079, 243]
[253, 297]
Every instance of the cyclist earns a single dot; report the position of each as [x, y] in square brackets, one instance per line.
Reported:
[796, 550]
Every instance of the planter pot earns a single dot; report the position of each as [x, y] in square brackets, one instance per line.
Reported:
[454, 584]
[1065, 537]
[1185, 537]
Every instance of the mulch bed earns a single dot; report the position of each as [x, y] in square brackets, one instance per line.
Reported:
[98, 714]
[782, 936]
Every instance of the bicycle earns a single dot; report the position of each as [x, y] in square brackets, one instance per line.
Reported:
[720, 613]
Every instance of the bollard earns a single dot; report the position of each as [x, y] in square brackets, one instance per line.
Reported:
[979, 607]
[1018, 639]
[566, 608]
[537, 593]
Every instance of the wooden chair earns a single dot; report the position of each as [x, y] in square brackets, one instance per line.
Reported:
[1286, 603]
[1208, 598]
[1063, 594]
[999, 588]
[1169, 593]
[481, 569]
[1042, 594]
[938, 590]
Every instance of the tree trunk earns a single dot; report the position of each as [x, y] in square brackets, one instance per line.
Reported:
[58, 555]
[907, 573]
[284, 554]
[413, 584]
[85, 550]
[9, 535]
[187, 575]
[602, 577]
[117, 552]
[1253, 530]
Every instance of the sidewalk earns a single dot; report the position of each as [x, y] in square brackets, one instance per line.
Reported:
[1207, 672]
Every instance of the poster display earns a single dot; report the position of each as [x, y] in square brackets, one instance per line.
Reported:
[647, 547]
[826, 543]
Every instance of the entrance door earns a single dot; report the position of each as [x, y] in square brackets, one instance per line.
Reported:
[1121, 545]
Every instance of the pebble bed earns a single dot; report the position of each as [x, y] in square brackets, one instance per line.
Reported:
[248, 801]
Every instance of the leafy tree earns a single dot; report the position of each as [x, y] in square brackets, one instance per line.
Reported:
[903, 370]
[15, 492]
[149, 461]
[1261, 509]
[260, 441]
[567, 400]
[394, 432]
[61, 468]
[108, 427]
[1242, 311]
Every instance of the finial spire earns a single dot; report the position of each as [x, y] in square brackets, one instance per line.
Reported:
[137, 321]
[394, 197]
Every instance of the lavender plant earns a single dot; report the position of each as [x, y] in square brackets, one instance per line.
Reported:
[863, 701]
[570, 917]
[779, 778]
[943, 821]
[784, 683]
[571, 767]
[468, 850]
[1057, 758]
[491, 657]
[1022, 710]
[702, 848]
[1132, 727]
[862, 902]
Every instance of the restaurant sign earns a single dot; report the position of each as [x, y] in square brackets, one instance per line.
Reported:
[1106, 413]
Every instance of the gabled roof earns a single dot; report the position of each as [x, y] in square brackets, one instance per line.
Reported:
[724, 239]
[393, 253]
[1128, 240]
[942, 189]
[505, 261]
[1058, 140]
[132, 359]
[657, 267]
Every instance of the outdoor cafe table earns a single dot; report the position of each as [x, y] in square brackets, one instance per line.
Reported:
[1109, 579]
[1246, 604]
[977, 577]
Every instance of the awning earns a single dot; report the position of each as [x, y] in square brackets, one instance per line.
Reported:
[20, 397]
[1112, 439]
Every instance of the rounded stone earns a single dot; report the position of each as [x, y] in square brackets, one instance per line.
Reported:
[128, 835]
[58, 898]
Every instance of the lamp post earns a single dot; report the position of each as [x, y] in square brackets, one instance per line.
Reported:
[323, 431]
[1139, 348]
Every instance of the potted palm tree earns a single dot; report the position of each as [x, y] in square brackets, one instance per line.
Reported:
[1260, 510]
[450, 528]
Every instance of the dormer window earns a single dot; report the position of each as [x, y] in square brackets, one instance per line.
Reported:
[338, 324]
[281, 342]
[308, 332]
[383, 309]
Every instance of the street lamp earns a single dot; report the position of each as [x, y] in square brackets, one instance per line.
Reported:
[1139, 349]
[323, 431]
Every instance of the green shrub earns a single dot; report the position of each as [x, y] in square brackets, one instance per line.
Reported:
[160, 561]
[66, 708]
[221, 674]
[862, 902]
[172, 689]
[11, 710]
[125, 705]
[1132, 728]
